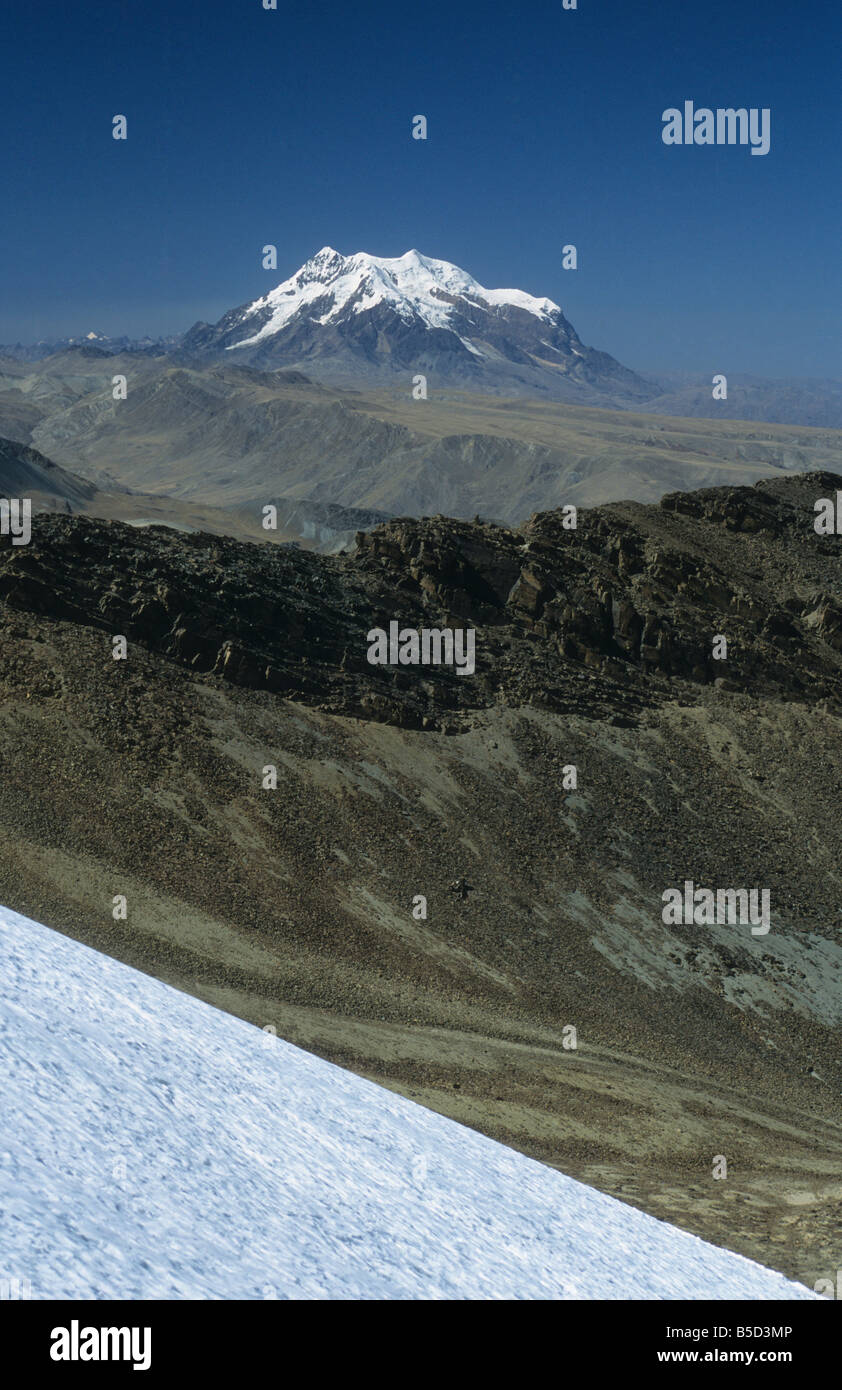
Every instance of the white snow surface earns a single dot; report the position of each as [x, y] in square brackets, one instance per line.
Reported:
[415, 286]
[155, 1147]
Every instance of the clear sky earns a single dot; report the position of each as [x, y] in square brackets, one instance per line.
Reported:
[248, 126]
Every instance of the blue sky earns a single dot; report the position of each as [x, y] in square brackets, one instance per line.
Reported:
[248, 126]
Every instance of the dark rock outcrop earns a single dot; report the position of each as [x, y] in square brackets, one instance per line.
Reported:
[606, 619]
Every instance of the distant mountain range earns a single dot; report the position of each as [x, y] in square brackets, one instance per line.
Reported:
[88, 345]
[365, 322]
[24, 472]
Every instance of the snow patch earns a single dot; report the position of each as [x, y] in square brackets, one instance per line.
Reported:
[155, 1147]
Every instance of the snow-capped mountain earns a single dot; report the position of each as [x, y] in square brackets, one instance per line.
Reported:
[415, 286]
[152, 1146]
[367, 317]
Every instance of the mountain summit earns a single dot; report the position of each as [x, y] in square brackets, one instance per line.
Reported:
[330, 287]
[368, 317]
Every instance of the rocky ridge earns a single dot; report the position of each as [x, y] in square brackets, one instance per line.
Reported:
[615, 615]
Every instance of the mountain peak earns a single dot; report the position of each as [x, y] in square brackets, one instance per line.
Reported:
[366, 316]
[418, 288]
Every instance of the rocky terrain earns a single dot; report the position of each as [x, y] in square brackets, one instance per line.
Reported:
[24, 472]
[293, 906]
[613, 612]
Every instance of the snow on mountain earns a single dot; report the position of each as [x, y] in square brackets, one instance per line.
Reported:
[364, 317]
[415, 286]
[155, 1147]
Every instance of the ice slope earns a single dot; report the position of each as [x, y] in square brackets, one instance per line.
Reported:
[415, 286]
[154, 1147]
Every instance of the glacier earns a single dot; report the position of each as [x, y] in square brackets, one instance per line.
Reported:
[153, 1146]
